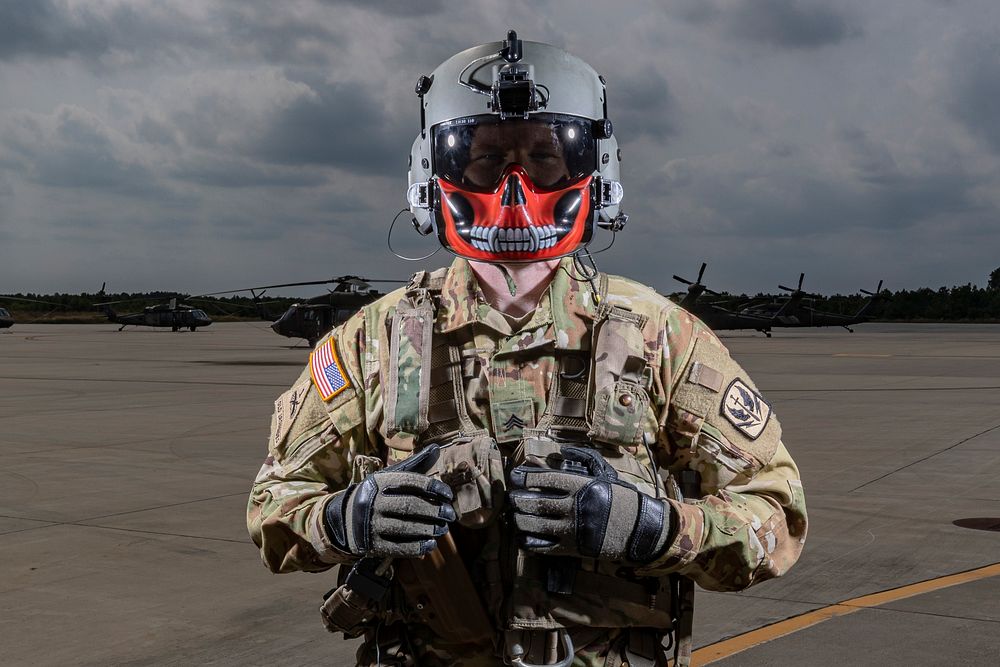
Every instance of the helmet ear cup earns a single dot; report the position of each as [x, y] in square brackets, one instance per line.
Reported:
[420, 172]
[609, 169]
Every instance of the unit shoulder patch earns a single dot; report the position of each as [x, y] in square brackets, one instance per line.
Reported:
[327, 371]
[286, 408]
[745, 409]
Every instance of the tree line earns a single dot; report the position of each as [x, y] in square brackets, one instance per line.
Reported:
[52, 306]
[961, 303]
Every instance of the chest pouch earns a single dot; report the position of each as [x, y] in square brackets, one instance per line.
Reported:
[621, 402]
[473, 469]
[407, 388]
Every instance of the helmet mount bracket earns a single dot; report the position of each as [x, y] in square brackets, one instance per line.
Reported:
[511, 51]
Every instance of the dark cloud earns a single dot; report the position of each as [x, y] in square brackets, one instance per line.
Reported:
[74, 150]
[340, 124]
[777, 201]
[255, 29]
[45, 28]
[154, 131]
[402, 8]
[234, 173]
[123, 35]
[974, 91]
[252, 136]
[791, 24]
[642, 105]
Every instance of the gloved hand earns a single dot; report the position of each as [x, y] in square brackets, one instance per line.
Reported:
[397, 512]
[585, 510]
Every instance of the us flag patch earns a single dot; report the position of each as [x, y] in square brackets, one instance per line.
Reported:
[327, 372]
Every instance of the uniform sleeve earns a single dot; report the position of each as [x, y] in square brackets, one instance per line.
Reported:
[749, 522]
[314, 449]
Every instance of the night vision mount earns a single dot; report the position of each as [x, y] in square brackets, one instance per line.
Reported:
[514, 93]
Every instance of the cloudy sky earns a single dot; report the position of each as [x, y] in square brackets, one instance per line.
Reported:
[193, 145]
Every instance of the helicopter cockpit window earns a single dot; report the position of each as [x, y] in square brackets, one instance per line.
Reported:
[199, 314]
[4, 313]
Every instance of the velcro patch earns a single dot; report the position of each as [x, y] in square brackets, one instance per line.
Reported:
[327, 372]
[745, 409]
[706, 376]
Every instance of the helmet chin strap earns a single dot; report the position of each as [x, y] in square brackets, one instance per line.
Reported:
[511, 285]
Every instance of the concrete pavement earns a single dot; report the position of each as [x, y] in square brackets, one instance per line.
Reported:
[128, 458]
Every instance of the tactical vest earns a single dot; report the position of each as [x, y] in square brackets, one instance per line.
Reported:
[599, 398]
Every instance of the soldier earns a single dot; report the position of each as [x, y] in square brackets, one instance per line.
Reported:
[516, 460]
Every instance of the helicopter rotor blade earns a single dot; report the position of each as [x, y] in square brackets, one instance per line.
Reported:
[683, 280]
[877, 292]
[701, 271]
[340, 280]
[26, 300]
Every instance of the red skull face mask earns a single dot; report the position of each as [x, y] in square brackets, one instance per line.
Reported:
[515, 191]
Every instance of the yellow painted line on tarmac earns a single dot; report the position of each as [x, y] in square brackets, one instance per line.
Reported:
[713, 652]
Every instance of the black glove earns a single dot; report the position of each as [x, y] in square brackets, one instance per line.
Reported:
[585, 510]
[396, 512]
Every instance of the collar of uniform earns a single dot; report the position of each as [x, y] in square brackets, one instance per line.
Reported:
[567, 305]
[572, 305]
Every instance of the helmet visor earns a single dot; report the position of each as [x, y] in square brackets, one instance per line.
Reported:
[556, 150]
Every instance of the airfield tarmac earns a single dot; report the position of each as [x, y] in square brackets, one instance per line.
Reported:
[127, 459]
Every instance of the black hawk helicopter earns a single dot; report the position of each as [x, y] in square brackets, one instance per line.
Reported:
[715, 315]
[7, 319]
[795, 312]
[781, 313]
[314, 317]
[790, 312]
[172, 314]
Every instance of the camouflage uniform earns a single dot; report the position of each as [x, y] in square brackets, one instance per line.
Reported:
[748, 526]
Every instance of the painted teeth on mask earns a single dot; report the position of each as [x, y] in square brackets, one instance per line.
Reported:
[513, 239]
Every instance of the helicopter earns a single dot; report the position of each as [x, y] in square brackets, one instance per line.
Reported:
[717, 317]
[7, 319]
[795, 313]
[314, 317]
[172, 314]
[790, 312]
[781, 313]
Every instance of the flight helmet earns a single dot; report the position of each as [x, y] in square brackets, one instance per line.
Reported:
[516, 160]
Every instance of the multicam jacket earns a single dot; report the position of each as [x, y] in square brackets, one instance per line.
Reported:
[703, 414]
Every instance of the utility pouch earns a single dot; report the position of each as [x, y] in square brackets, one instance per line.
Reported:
[473, 469]
[355, 603]
[407, 388]
[621, 402]
[539, 452]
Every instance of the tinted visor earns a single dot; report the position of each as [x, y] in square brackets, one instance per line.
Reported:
[556, 150]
